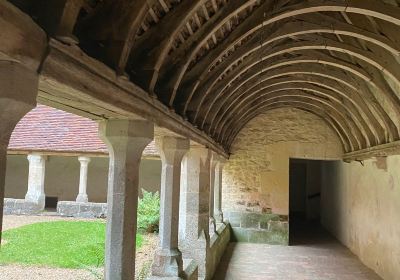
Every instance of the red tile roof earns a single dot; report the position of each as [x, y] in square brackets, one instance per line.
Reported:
[46, 129]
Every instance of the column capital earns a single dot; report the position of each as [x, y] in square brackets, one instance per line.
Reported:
[215, 158]
[123, 135]
[202, 152]
[36, 157]
[172, 148]
[84, 159]
[126, 129]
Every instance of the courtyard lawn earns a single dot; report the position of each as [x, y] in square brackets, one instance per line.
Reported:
[65, 244]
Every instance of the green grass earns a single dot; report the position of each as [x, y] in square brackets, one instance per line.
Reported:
[57, 244]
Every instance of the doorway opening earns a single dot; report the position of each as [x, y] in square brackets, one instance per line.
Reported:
[304, 200]
[51, 203]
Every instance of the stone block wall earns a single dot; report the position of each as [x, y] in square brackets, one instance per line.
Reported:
[256, 227]
[256, 177]
[20, 207]
[82, 209]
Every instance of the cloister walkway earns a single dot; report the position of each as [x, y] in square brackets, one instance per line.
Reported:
[314, 256]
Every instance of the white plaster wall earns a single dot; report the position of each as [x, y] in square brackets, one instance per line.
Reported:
[256, 177]
[62, 177]
[361, 207]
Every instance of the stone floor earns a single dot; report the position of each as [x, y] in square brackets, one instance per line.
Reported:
[314, 255]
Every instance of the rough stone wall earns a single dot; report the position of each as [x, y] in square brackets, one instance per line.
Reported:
[361, 207]
[256, 177]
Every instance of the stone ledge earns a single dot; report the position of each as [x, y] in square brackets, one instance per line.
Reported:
[275, 237]
[218, 245]
[20, 207]
[82, 209]
[267, 228]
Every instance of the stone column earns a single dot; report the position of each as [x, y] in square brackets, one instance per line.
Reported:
[35, 193]
[18, 92]
[213, 226]
[194, 238]
[126, 140]
[168, 258]
[218, 190]
[82, 196]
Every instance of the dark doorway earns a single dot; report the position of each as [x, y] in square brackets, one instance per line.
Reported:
[304, 198]
[51, 203]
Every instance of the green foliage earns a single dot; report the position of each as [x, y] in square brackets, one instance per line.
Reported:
[66, 244]
[149, 212]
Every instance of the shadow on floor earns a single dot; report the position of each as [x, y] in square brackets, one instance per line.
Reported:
[313, 255]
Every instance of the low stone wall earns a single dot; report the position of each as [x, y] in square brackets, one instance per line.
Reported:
[82, 209]
[253, 227]
[218, 244]
[20, 207]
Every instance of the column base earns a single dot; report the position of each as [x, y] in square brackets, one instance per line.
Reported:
[38, 199]
[167, 263]
[190, 272]
[82, 198]
[219, 217]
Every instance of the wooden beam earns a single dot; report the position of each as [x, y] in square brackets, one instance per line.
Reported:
[383, 150]
[150, 50]
[73, 73]
[116, 24]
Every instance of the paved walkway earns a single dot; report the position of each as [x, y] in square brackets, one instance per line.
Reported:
[324, 259]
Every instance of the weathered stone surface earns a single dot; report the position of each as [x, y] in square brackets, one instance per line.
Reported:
[82, 209]
[126, 140]
[20, 207]
[18, 93]
[168, 259]
[37, 167]
[256, 177]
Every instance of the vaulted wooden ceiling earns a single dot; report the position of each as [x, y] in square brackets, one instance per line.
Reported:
[219, 63]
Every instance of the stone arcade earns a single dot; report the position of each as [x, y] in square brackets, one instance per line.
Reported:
[211, 78]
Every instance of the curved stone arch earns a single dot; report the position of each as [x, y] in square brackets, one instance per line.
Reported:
[337, 112]
[382, 11]
[328, 83]
[317, 58]
[343, 136]
[366, 56]
[354, 108]
[291, 29]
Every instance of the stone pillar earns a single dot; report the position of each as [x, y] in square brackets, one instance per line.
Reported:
[126, 140]
[18, 92]
[82, 196]
[213, 226]
[168, 258]
[218, 190]
[194, 238]
[35, 193]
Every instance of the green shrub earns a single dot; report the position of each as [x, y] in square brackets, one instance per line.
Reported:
[149, 212]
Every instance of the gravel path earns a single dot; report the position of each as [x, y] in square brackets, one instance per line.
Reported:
[144, 256]
[14, 221]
